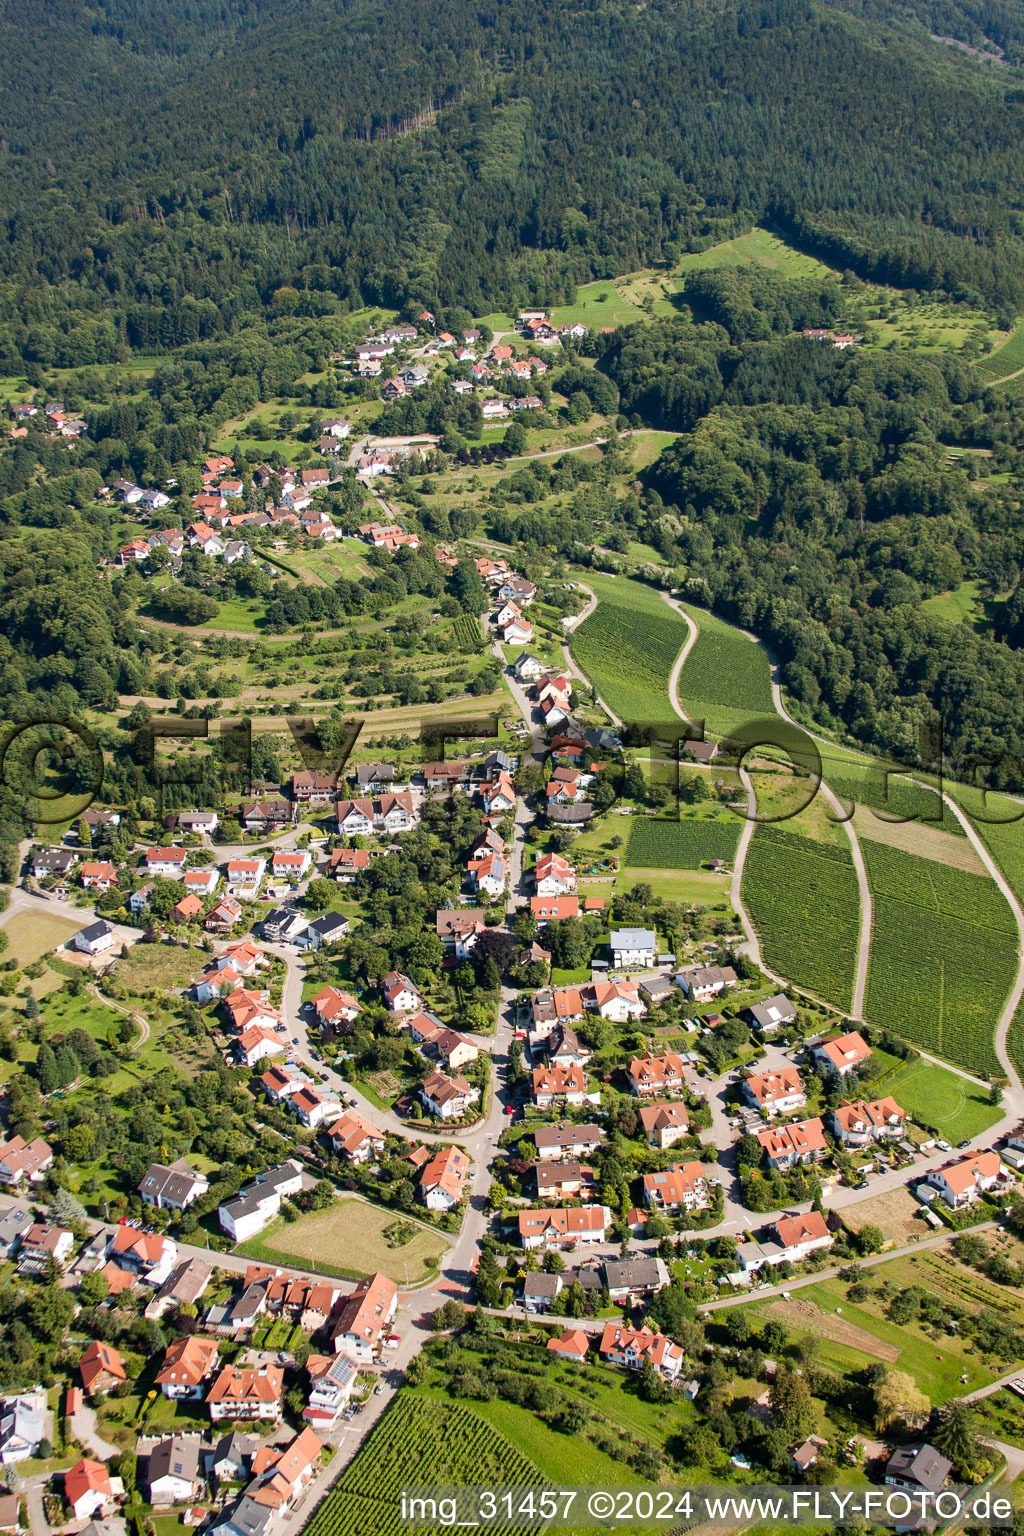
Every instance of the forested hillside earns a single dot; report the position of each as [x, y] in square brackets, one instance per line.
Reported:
[170, 171]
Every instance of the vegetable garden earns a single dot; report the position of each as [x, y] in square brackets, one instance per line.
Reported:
[628, 647]
[417, 1441]
[803, 899]
[943, 955]
[660, 844]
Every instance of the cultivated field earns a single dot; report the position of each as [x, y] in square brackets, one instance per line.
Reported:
[687, 844]
[627, 648]
[803, 900]
[349, 1235]
[32, 934]
[726, 679]
[897, 1214]
[802, 1313]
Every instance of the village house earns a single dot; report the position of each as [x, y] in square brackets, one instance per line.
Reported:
[246, 1392]
[346, 863]
[399, 993]
[443, 1179]
[173, 1474]
[314, 788]
[573, 1345]
[786, 1146]
[633, 1347]
[454, 1049]
[201, 882]
[245, 876]
[95, 939]
[800, 1235]
[664, 1124]
[459, 928]
[98, 876]
[365, 1318]
[547, 909]
[168, 863]
[540, 1291]
[223, 917]
[616, 1000]
[187, 910]
[290, 865]
[52, 861]
[314, 1107]
[563, 1226]
[327, 929]
[702, 982]
[843, 1054]
[334, 1007]
[39, 1244]
[632, 1280]
[145, 1253]
[563, 1181]
[653, 1075]
[681, 1186]
[554, 876]
[22, 1426]
[775, 1093]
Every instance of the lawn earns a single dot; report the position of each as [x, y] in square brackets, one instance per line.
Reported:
[934, 1096]
[349, 1236]
[942, 955]
[32, 934]
[627, 648]
[597, 305]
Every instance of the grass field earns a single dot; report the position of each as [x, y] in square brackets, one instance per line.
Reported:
[932, 1095]
[349, 1236]
[32, 934]
[959, 606]
[627, 648]
[803, 900]
[159, 966]
[942, 955]
[726, 679]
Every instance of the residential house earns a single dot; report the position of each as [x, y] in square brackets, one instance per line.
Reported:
[183, 1287]
[289, 865]
[619, 1001]
[555, 1085]
[139, 900]
[173, 1474]
[345, 863]
[564, 1048]
[334, 1007]
[634, 1347]
[87, 1488]
[39, 1244]
[455, 1050]
[263, 816]
[563, 1181]
[459, 928]
[145, 1253]
[563, 1226]
[573, 1344]
[918, 1468]
[425, 1028]
[355, 1138]
[231, 1458]
[629, 1281]
[633, 947]
[327, 929]
[168, 863]
[22, 1426]
[246, 1392]
[245, 1517]
[681, 1186]
[555, 1142]
[256, 1043]
[775, 1093]
[488, 874]
[443, 1179]
[963, 1182]
[201, 882]
[174, 1188]
[865, 1121]
[98, 876]
[449, 1098]
[96, 939]
[540, 1291]
[547, 909]
[562, 1005]
[52, 861]
[843, 1054]
[223, 917]
[282, 1473]
[331, 1379]
[285, 926]
[786, 1146]
[198, 821]
[13, 1226]
[527, 667]
[100, 1367]
[245, 876]
[702, 982]
[800, 1235]
[188, 910]
[24, 1162]
[399, 993]
[650, 1076]
[314, 788]
[186, 1365]
[664, 1124]
[554, 876]
[315, 1108]
[365, 1318]
[774, 1014]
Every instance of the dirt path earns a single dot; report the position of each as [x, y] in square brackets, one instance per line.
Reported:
[138, 1019]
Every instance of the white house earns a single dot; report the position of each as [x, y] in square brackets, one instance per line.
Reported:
[96, 939]
[633, 947]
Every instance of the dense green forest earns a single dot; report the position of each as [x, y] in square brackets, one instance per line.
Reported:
[168, 172]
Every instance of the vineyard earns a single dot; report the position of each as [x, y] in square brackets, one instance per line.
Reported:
[942, 955]
[468, 632]
[627, 648]
[803, 900]
[726, 678]
[895, 796]
[417, 1441]
[657, 844]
